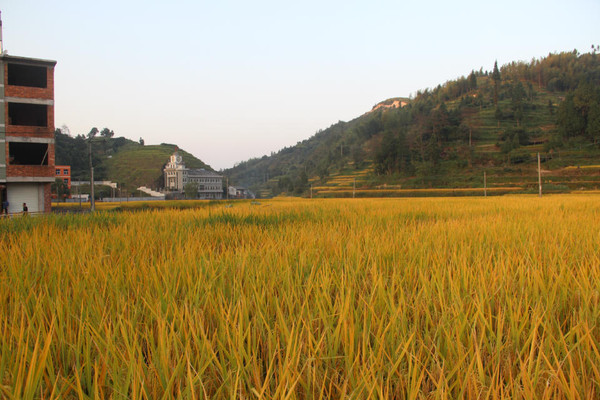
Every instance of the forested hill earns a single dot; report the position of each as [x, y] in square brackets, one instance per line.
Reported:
[494, 121]
[131, 164]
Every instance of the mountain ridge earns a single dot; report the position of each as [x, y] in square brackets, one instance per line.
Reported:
[447, 136]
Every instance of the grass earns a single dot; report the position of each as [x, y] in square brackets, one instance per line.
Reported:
[137, 165]
[292, 298]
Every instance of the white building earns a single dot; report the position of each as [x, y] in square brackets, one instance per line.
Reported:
[210, 184]
[238, 192]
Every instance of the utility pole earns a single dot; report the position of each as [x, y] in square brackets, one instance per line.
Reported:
[91, 135]
[484, 184]
[311, 190]
[354, 188]
[92, 200]
[227, 187]
[539, 175]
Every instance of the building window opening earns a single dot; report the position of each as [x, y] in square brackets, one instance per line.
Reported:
[27, 153]
[25, 114]
[27, 75]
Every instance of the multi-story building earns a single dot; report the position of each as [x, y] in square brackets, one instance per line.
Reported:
[63, 172]
[210, 184]
[26, 131]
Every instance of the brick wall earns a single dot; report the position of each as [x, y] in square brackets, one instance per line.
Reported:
[47, 197]
[61, 175]
[31, 131]
[32, 170]
[31, 92]
[47, 132]
[28, 92]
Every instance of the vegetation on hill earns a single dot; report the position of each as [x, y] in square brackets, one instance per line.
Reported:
[121, 160]
[136, 165]
[447, 136]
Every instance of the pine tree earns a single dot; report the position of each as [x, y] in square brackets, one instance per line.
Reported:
[472, 81]
[496, 77]
[593, 122]
[498, 115]
[518, 93]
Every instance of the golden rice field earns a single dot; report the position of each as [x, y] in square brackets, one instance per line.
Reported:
[429, 298]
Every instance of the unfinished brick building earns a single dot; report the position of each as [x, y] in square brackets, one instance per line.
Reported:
[26, 132]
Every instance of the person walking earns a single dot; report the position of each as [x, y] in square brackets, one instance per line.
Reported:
[25, 209]
[5, 207]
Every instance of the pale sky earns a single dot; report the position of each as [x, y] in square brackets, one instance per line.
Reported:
[229, 80]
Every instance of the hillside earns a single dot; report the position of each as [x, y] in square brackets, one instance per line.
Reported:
[121, 160]
[447, 137]
[137, 165]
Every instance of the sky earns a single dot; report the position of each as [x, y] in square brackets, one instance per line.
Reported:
[231, 80]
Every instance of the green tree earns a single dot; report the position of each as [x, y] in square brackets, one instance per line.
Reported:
[191, 190]
[472, 80]
[570, 122]
[518, 94]
[60, 189]
[583, 97]
[496, 78]
[285, 183]
[440, 122]
[92, 133]
[465, 132]
[498, 115]
[72, 151]
[301, 182]
[323, 169]
[107, 133]
[358, 155]
[386, 156]
[593, 122]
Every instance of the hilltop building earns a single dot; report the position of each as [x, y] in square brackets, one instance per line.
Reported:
[210, 184]
[26, 131]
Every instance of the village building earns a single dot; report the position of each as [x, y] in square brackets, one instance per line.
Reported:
[239, 192]
[177, 176]
[63, 172]
[26, 132]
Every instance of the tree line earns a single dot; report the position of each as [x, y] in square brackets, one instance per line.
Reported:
[440, 127]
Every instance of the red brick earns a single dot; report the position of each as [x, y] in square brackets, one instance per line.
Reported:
[26, 171]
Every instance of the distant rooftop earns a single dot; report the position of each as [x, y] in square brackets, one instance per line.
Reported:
[202, 171]
[27, 60]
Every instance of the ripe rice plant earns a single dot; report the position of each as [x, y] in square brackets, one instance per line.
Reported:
[295, 298]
